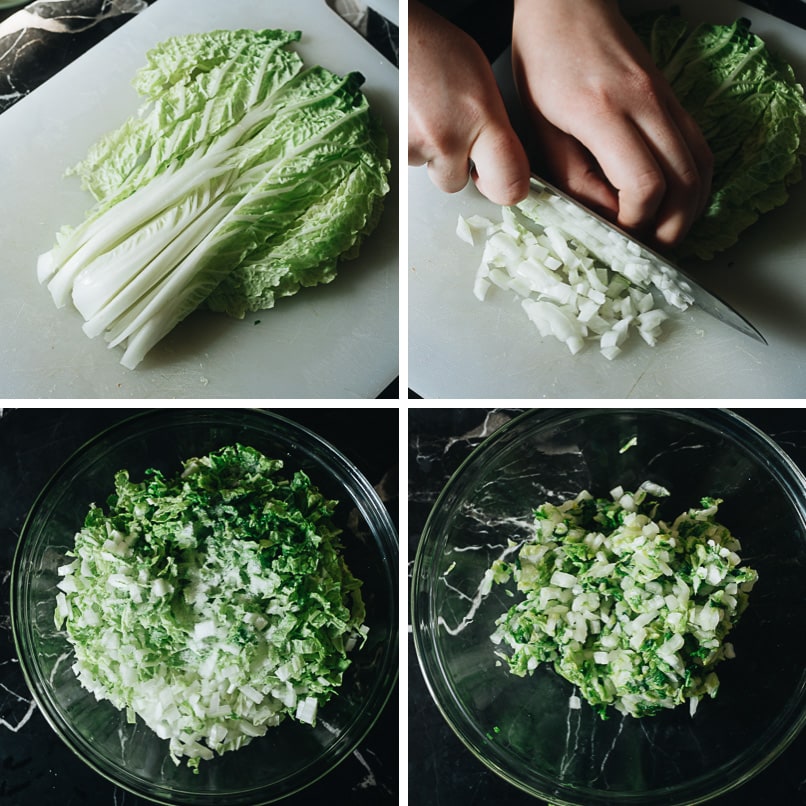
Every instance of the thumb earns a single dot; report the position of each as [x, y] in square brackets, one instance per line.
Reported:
[500, 165]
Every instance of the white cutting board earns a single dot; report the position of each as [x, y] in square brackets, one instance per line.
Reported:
[334, 341]
[462, 348]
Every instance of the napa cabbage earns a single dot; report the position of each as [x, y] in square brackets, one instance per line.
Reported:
[244, 176]
[213, 604]
[751, 110]
[632, 610]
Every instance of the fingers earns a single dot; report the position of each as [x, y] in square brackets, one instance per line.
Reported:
[700, 152]
[630, 166]
[659, 165]
[686, 165]
[571, 166]
[456, 114]
[500, 165]
[449, 171]
[615, 135]
[500, 168]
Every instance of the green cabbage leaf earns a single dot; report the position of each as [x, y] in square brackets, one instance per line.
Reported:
[751, 110]
[244, 176]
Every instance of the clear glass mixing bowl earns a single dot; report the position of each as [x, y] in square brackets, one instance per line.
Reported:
[290, 756]
[523, 728]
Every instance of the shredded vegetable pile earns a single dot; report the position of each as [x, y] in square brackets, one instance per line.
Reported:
[577, 280]
[212, 604]
[633, 611]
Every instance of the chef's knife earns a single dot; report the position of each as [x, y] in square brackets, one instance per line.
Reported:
[707, 301]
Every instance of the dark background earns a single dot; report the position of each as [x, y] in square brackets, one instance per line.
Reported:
[441, 769]
[36, 768]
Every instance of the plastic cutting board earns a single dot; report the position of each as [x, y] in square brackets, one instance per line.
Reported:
[333, 341]
[461, 348]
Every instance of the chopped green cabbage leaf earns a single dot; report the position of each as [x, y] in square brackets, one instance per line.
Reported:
[633, 611]
[751, 110]
[212, 604]
[244, 177]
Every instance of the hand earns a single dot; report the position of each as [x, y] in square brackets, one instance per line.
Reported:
[608, 123]
[457, 119]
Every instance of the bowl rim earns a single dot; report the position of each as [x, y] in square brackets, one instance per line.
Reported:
[786, 472]
[372, 509]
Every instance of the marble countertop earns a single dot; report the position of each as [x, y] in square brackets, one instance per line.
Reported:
[441, 770]
[36, 768]
[41, 38]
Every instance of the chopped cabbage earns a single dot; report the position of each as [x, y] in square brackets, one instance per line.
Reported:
[213, 604]
[633, 611]
[576, 279]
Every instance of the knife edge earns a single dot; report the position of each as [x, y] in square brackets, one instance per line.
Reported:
[695, 293]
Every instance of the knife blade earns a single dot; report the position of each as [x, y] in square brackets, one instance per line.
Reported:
[698, 295]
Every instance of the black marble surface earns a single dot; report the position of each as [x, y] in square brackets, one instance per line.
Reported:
[441, 770]
[36, 768]
[373, 26]
[45, 36]
[384, 35]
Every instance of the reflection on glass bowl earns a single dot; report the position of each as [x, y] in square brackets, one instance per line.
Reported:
[524, 729]
[290, 756]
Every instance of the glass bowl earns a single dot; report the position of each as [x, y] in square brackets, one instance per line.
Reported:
[288, 757]
[524, 728]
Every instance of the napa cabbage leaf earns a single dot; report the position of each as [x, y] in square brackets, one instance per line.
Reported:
[244, 176]
[751, 110]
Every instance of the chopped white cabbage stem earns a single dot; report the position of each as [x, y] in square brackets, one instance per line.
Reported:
[577, 280]
[632, 610]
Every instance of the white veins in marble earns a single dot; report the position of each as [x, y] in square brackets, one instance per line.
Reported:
[24, 718]
[27, 18]
[482, 591]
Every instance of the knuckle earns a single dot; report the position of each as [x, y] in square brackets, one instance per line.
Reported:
[640, 200]
[690, 182]
[649, 187]
[643, 85]
[635, 88]
[446, 176]
[417, 154]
